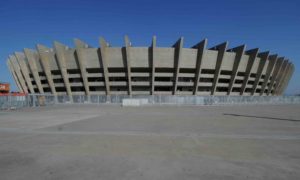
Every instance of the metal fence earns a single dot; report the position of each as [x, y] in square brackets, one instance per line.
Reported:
[16, 102]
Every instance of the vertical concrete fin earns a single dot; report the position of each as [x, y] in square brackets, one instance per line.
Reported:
[61, 59]
[201, 46]
[127, 61]
[272, 61]
[263, 59]
[239, 51]
[80, 45]
[279, 76]
[153, 47]
[177, 59]
[252, 56]
[24, 70]
[274, 74]
[279, 91]
[17, 69]
[221, 48]
[14, 75]
[33, 67]
[288, 78]
[44, 54]
[102, 56]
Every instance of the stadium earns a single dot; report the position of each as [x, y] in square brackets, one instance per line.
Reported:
[128, 70]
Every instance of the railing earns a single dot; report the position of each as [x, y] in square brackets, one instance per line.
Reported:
[16, 102]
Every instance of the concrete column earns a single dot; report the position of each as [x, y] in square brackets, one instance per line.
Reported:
[279, 76]
[284, 79]
[82, 65]
[104, 46]
[291, 71]
[263, 59]
[252, 56]
[14, 75]
[61, 59]
[239, 51]
[44, 53]
[33, 67]
[275, 73]
[24, 70]
[128, 64]
[221, 51]
[153, 47]
[270, 68]
[177, 59]
[200, 54]
[17, 69]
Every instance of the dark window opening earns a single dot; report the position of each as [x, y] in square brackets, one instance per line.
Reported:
[77, 89]
[163, 88]
[263, 76]
[257, 90]
[238, 81]
[41, 74]
[58, 80]
[204, 88]
[116, 70]
[95, 79]
[235, 89]
[187, 70]
[140, 79]
[56, 72]
[141, 70]
[186, 79]
[141, 88]
[118, 88]
[222, 89]
[184, 88]
[164, 79]
[206, 80]
[60, 89]
[248, 90]
[225, 72]
[94, 70]
[251, 82]
[74, 80]
[47, 89]
[33, 82]
[73, 71]
[97, 88]
[207, 71]
[164, 70]
[252, 75]
[221, 80]
[118, 79]
[45, 81]
[241, 73]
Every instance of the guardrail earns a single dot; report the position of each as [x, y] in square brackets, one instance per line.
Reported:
[16, 102]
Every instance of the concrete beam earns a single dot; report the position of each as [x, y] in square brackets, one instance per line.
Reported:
[239, 51]
[200, 54]
[14, 75]
[272, 61]
[221, 51]
[128, 64]
[263, 59]
[153, 47]
[33, 67]
[177, 59]
[103, 51]
[252, 56]
[24, 70]
[82, 64]
[61, 59]
[17, 69]
[291, 71]
[44, 53]
[279, 76]
[275, 73]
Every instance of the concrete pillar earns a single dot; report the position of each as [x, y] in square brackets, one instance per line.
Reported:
[279, 76]
[177, 59]
[61, 59]
[44, 53]
[263, 59]
[128, 64]
[239, 51]
[284, 79]
[275, 73]
[272, 61]
[17, 69]
[24, 70]
[252, 56]
[200, 54]
[14, 75]
[153, 47]
[82, 65]
[221, 51]
[103, 50]
[291, 71]
[33, 67]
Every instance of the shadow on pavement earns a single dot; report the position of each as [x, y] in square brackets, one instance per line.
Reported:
[262, 117]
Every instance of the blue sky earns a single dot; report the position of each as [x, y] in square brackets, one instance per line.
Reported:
[272, 25]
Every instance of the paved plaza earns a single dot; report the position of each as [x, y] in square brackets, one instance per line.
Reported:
[157, 142]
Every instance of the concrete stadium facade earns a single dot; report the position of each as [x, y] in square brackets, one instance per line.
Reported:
[153, 70]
